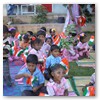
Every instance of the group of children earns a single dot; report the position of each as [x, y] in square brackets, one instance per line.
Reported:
[42, 58]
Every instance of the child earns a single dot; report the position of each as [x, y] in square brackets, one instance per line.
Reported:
[25, 42]
[57, 85]
[45, 47]
[31, 70]
[52, 32]
[48, 40]
[6, 48]
[83, 47]
[52, 59]
[12, 37]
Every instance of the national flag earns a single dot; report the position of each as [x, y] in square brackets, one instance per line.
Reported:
[43, 94]
[18, 36]
[65, 63]
[62, 35]
[89, 91]
[56, 40]
[91, 41]
[31, 80]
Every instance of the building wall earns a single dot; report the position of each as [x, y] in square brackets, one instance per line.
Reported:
[59, 9]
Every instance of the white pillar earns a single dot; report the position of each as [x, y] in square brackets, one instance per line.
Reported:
[4, 10]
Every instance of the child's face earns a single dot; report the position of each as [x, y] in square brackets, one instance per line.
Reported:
[37, 46]
[31, 67]
[52, 33]
[25, 41]
[41, 37]
[84, 40]
[13, 34]
[55, 52]
[58, 74]
[48, 41]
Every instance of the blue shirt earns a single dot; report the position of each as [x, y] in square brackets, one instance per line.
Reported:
[52, 60]
[37, 74]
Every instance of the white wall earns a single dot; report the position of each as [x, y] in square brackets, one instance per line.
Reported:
[59, 9]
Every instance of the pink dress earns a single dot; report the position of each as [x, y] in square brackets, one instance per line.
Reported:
[81, 46]
[45, 49]
[55, 89]
[71, 54]
[39, 53]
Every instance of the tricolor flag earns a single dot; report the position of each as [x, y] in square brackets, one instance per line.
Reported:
[18, 36]
[65, 63]
[43, 94]
[62, 35]
[13, 50]
[18, 54]
[56, 40]
[91, 41]
[31, 80]
[89, 91]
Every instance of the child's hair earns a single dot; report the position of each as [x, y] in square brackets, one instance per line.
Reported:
[35, 41]
[30, 32]
[54, 68]
[5, 29]
[48, 38]
[32, 58]
[52, 30]
[53, 47]
[43, 29]
[82, 36]
[12, 30]
[26, 37]
[41, 33]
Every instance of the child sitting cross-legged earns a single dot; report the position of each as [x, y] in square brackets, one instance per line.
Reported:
[31, 70]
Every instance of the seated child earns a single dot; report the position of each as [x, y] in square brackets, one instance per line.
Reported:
[83, 47]
[31, 70]
[52, 59]
[57, 85]
[45, 47]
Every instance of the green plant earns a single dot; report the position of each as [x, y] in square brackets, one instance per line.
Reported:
[70, 29]
[41, 16]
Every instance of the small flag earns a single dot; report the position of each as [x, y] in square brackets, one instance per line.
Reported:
[65, 63]
[18, 36]
[62, 35]
[31, 80]
[91, 41]
[43, 94]
[89, 91]
[18, 54]
[56, 40]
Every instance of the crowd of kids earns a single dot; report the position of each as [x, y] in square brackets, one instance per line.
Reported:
[43, 60]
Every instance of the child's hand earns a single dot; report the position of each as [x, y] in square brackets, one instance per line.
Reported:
[35, 89]
[27, 75]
